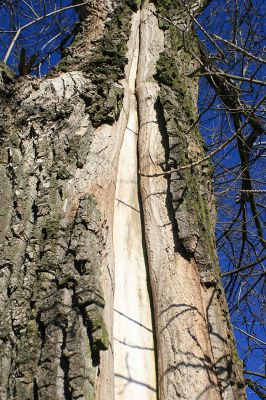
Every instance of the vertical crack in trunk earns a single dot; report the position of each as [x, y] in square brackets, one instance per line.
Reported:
[159, 298]
[134, 355]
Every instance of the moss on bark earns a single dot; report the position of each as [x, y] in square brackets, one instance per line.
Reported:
[190, 189]
[51, 308]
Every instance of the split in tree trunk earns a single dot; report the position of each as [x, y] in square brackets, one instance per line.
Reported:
[109, 280]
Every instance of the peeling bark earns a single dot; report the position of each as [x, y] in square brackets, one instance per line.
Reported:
[109, 281]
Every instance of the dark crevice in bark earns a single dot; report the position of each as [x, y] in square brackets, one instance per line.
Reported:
[60, 191]
[80, 266]
[44, 233]
[41, 329]
[21, 148]
[32, 133]
[34, 209]
[38, 184]
[64, 363]
[95, 354]
[179, 247]
[35, 390]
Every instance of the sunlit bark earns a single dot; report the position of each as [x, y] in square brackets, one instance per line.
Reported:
[109, 279]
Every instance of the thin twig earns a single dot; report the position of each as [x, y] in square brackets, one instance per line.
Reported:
[18, 32]
[240, 49]
[195, 163]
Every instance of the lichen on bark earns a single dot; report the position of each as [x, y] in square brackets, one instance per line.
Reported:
[191, 189]
[105, 68]
[52, 326]
[52, 301]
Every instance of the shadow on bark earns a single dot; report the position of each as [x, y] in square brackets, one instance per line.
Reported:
[179, 248]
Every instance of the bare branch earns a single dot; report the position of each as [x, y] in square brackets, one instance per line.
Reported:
[18, 32]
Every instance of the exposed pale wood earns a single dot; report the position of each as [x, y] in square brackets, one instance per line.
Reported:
[134, 360]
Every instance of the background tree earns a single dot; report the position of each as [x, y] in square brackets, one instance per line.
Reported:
[234, 65]
[240, 131]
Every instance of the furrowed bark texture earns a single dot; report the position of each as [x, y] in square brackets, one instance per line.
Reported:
[86, 224]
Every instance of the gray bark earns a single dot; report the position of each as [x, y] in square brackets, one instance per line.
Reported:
[65, 185]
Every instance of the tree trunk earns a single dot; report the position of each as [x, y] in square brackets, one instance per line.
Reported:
[109, 281]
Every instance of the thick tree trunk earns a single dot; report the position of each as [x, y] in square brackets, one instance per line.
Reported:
[109, 281]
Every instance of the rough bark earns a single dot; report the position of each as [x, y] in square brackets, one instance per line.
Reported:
[95, 248]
